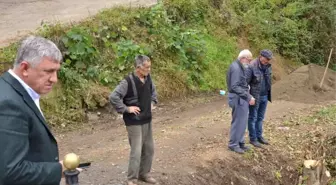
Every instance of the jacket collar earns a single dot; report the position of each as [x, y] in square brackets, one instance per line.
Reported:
[26, 97]
[259, 64]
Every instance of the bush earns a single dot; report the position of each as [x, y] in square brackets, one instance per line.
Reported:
[191, 44]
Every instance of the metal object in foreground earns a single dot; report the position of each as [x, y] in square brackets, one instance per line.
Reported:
[71, 162]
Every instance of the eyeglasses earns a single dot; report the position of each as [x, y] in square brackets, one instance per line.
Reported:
[248, 59]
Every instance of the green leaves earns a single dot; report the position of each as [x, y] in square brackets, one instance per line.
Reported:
[126, 51]
[185, 45]
[81, 52]
[300, 30]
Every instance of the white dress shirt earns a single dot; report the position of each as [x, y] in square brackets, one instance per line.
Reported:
[35, 97]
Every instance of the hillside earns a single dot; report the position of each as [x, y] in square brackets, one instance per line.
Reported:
[190, 42]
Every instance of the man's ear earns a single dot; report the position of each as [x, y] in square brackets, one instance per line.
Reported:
[24, 66]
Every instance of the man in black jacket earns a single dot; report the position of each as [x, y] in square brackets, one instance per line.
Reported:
[29, 152]
[135, 97]
[259, 76]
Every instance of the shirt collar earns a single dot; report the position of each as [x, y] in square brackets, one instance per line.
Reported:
[34, 95]
[136, 76]
[261, 66]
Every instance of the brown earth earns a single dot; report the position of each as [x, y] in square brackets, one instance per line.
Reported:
[191, 135]
[191, 138]
[303, 85]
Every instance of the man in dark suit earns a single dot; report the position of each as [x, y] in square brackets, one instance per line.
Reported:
[29, 152]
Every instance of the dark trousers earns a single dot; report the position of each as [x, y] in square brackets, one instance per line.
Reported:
[256, 118]
[239, 120]
[142, 150]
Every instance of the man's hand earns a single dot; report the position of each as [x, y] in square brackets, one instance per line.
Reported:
[252, 101]
[63, 168]
[134, 109]
[153, 106]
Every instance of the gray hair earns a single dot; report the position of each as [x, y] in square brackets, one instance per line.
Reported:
[140, 60]
[33, 49]
[245, 54]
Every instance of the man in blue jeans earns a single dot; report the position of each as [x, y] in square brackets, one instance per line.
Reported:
[258, 76]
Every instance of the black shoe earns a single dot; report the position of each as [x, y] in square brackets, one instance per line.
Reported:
[245, 148]
[256, 144]
[263, 141]
[237, 150]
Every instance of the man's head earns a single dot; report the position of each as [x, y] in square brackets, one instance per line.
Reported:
[37, 63]
[142, 65]
[265, 56]
[245, 56]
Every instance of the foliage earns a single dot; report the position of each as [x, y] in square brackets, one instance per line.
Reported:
[301, 30]
[219, 56]
[80, 51]
[191, 43]
[326, 116]
[172, 39]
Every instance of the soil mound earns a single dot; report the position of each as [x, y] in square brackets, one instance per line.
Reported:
[303, 85]
[275, 170]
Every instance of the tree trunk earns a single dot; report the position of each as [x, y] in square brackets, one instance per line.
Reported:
[314, 173]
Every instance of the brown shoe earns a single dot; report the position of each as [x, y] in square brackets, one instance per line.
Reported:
[149, 180]
[131, 183]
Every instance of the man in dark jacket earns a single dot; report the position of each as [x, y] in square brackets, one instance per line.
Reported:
[135, 97]
[29, 152]
[239, 98]
[259, 74]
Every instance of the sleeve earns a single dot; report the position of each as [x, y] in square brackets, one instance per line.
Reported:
[154, 94]
[235, 84]
[249, 74]
[14, 142]
[117, 96]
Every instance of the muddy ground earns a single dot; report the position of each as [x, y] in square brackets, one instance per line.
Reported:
[190, 146]
[191, 137]
[20, 17]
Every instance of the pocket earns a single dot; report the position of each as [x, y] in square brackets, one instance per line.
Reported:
[257, 78]
[231, 99]
[230, 102]
[241, 101]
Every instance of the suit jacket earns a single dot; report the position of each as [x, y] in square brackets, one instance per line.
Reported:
[28, 150]
[254, 78]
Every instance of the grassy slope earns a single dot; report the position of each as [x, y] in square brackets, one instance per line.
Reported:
[121, 32]
[191, 44]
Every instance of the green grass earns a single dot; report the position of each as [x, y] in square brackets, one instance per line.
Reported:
[191, 44]
[220, 54]
[99, 52]
[325, 115]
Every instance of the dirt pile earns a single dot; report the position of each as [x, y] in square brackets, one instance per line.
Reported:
[303, 85]
[267, 170]
[331, 154]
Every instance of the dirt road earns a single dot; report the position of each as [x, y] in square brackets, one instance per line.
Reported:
[187, 135]
[19, 17]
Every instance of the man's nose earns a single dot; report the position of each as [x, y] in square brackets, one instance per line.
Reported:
[53, 77]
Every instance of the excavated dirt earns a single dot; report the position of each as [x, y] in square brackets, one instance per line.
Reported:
[191, 139]
[237, 171]
[303, 85]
